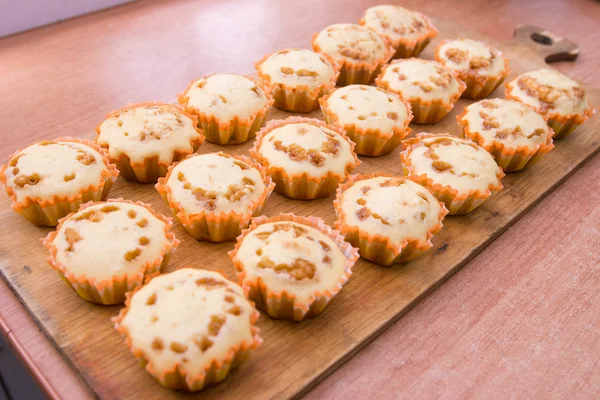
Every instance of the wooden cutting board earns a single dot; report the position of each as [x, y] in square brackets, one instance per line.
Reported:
[294, 356]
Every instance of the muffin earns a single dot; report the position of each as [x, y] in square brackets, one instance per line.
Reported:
[52, 178]
[144, 139]
[429, 87]
[510, 131]
[107, 248]
[231, 108]
[457, 171]
[297, 78]
[359, 51]
[408, 31]
[481, 67]
[189, 328]
[300, 281]
[374, 119]
[214, 195]
[305, 157]
[560, 99]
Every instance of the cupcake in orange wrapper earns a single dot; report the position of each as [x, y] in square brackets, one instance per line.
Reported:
[189, 328]
[144, 139]
[409, 32]
[297, 78]
[560, 99]
[305, 157]
[510, 131]
[214, 195]
[458, 172]
[389, 218]
[480, 66]
[374, 119]
[108, 248]
[231, 108]
[52, 178]
[292, 266]
[429, 87]
[360, 51]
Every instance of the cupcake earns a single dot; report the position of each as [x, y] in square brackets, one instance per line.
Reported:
[300, 281]
[429, 87]
[389, 218]
[560, 99]
[144, 139]
[296, 78]
[457, 171]
[359, 51]
[481, 67]
[51, 179]
[408, 31]
[305, 157]
[214, 195]
[189, 328]
[107, 248]
[374, 119]
[510, 131]
[231, 108]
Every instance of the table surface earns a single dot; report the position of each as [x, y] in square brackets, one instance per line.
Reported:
[521, 320]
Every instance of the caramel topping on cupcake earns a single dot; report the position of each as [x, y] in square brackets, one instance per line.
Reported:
[471, 56]
[397, 22]
[297, 67]
[352, 43]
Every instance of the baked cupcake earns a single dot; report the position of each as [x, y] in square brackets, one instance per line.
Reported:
[189, 328]
[296, 78]
[457, 171]
[389, 218]
[510, 131]
[374, 119]
[429, 87]
[305, 157]
[52, 178]
[231, 108]
[480, 66]
[214, 195]
[560, 99]
[408, 31]
[144, 139]
[300, 281]
[359, 51]
[107, 248]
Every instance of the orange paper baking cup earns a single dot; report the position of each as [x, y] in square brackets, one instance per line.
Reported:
[457, 204]
[283, 304]
[111, 291]
[47, 212]
[304, 186]
[149, 170]
[176, 377]
[378, 248]
[238, 130]
[210, 226]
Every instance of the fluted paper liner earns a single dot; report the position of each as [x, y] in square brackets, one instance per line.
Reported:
[424, 111]
[455, 203]
[149, 170]
[210, 226]
[510, 159]
[369, 142]
[478, 86]
[284, 304]
[47, 212]
[299, 98]
[304, 186]
[375, 247]
[562, 125]
[176, 377]
[111, 291]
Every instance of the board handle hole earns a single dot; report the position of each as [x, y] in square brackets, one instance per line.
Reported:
[542, 39]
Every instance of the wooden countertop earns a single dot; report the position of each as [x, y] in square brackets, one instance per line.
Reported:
[520, 320]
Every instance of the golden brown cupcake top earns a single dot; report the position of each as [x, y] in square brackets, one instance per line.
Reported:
[351, 42]
[471, 57]
[397, 22]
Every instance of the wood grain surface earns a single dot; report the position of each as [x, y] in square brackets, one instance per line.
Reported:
[46, 100]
